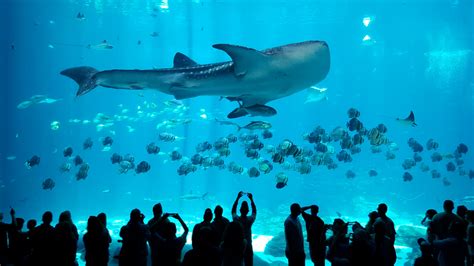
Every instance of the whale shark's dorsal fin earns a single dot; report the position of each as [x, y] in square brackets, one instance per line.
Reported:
[181, 60]
[245, 59]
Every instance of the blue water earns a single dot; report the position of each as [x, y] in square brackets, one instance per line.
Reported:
[419, 57]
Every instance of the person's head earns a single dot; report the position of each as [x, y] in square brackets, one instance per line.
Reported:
[244, 208]
[379, 228]
[47, 217]
[448, 206]
[31, 224]
[169, 230]
[339, 226]
[431, 213]
[461, 210]
[314, 210]
[373, 215]
[157, 210]
[102, 218]
[135, 216]
[65, 216]
[1, 216]
[93, 225]
[382, 209]
[295, 209]
[207, 215]
[19, 223]
[359, 234]
[218, 211]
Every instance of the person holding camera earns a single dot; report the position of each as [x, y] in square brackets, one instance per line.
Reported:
[135, 235]
[169, 247]
[246, 222]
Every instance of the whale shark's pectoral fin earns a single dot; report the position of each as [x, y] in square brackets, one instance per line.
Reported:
[245, 59]
[180, 60]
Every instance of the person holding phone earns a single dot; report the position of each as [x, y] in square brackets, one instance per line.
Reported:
[246, 222]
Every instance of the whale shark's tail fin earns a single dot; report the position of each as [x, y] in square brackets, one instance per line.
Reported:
[83, 76]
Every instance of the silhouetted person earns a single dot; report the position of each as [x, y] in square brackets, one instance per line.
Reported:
[453, 250]
[369, 227]
[426, 258]
[338, 244]
[427, 222]
[103, 221]
[4, 231]
[156, 222]
[361, 248]
[43, 240]
[66, 240]
[207, 218]
[169, 246]
[384, 250]
[461, 212]
[246, 222]
[294, 250]
[389, 225]
[96, 243]
[30, 225]
[233, 245]
[18, 244]
[470, 233]
[134, 236]
[206, 254]
[219, 224]
[315, 235]
[443, 220]
[156, 225]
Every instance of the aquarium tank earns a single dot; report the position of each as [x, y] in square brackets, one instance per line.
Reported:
[111, 105]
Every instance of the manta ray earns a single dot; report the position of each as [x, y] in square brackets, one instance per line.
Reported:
[253, 78]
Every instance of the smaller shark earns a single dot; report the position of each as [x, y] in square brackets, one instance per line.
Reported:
[192, 196]
[410, 120]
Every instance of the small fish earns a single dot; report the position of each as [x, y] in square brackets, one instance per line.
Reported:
[48, 184]
[80, 16]
[256, 125]
[55, 125]
[281, 180]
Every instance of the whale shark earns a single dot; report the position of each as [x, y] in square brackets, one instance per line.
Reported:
[252, 78]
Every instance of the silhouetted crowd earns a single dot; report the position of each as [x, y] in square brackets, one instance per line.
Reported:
[216, 241]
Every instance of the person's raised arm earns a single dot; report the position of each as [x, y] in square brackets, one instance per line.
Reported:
[234, 206]
[252, 203]
[12, 214]
[183, 224]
